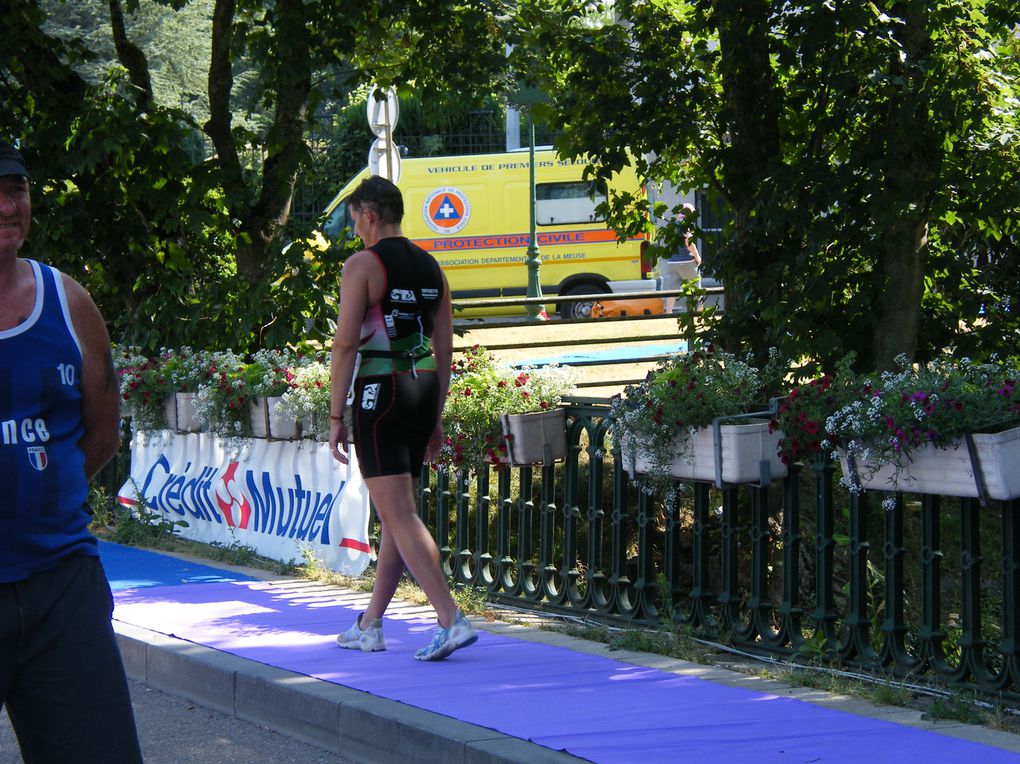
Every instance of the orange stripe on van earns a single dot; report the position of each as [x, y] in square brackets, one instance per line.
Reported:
[501, 241]
[517, 262]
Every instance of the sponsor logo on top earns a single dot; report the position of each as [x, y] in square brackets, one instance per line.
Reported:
[402, 295]
[446, 210]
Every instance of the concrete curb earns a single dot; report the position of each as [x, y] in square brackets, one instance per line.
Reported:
[352, 723]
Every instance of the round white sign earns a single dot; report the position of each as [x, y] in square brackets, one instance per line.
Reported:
[384, 160]
[383, 115]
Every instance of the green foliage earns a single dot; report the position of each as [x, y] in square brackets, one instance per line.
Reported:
[957, 707]
[470, 599]
[222, 402]
[181, 251]
[143, 527]
[818, 647]
[270, 373]
[102, 506]
[145, 382]
[867, 152]
[234, 553]
[802, 414]
[309, 396]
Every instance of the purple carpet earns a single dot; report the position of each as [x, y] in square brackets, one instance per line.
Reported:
[591, 706]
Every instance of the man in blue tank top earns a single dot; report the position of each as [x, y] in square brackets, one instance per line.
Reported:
[61, 675]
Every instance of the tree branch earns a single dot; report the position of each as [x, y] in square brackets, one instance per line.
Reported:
[285, 142]
[131, 58]
[218, 127]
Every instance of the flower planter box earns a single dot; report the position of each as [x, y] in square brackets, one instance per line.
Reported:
[181, 413]
[538, 438]
[267, 421]
[948, 471]
[744, 448]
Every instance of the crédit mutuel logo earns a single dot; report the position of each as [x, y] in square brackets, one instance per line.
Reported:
[229, 495]
[252, 500]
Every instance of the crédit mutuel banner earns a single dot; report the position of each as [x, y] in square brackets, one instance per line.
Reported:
[277, 497]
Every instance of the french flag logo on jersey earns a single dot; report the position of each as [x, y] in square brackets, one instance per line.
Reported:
[38, 458]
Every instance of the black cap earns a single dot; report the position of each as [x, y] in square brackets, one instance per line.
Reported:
[11, 162]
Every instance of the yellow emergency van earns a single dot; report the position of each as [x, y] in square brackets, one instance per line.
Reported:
[472, 213]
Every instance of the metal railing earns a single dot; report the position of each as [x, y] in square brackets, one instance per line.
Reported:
[799, 569]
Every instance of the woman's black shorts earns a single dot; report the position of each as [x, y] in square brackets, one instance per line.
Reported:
[394, 416]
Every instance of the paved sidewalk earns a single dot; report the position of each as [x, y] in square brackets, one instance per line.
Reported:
[175, 730]
[199, 639]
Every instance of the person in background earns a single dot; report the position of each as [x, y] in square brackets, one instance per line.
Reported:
[394, 334]
[61, 675]
[685, 264]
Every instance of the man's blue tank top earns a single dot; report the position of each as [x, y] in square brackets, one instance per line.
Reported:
[44, 514]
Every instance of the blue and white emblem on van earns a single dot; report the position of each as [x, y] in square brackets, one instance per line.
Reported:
[446, 210]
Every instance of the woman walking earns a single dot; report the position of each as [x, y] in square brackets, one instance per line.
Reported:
[393, 342]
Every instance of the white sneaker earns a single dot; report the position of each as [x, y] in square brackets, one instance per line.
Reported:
[444, 641]
[370, 640]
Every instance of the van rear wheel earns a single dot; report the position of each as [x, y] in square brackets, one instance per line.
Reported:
[581, 308]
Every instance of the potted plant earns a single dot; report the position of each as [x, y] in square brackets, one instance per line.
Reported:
[482, 392]
[269, 375]
[307, 399]
[222, 401]
[949, 427]
[688, 420]
[800, 416]
[160, 391]
[143, 388]
[186, 370]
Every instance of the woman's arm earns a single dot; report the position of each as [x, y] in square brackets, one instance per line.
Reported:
[354, 300]
[442, 347]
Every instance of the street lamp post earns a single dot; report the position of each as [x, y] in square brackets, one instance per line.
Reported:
[533, 260]
[528, 97]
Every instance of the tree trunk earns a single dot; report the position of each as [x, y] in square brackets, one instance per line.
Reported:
[906, 199]
[218, 127]
[285, 141]
[754, 147]
[261, 222]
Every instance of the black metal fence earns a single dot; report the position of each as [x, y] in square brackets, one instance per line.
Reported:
[798, 569]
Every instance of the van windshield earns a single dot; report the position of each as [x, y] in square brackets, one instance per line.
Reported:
[337, 222]
[574, 202]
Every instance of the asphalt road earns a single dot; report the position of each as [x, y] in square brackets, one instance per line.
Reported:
[177, 731]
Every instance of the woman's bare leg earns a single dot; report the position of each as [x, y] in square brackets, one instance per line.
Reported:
[393, 497]
[389, 567]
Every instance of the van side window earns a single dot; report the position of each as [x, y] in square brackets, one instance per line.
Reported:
[335, 224]
[574, 202]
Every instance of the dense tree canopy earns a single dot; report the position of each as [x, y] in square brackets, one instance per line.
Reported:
[868, 153]
[178, 249]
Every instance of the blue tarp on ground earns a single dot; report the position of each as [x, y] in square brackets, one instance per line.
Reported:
[587, 704]
[132, 568]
